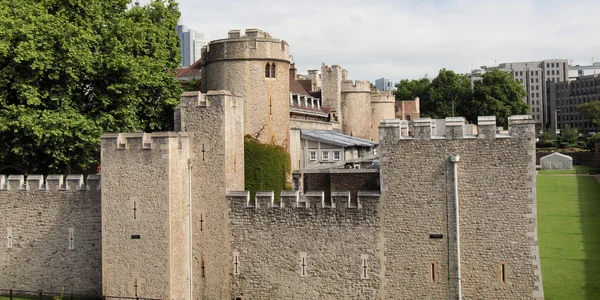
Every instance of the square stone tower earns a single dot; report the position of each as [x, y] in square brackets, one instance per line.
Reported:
[215, 124]
[145, 233]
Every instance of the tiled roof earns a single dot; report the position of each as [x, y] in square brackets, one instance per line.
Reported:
[192, 71]
[335, 138]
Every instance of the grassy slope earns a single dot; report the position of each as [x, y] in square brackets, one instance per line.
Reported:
[575, 170]
[569, 236]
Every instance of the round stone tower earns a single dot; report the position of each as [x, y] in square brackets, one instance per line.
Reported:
[256, 67]
[356, 108]
[382, 107]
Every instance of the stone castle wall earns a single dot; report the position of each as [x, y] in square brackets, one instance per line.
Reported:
[382, 108]
[39, 218]
[270, 241]
[144, 215]
[306, 247]
[356, 108]
[237, 64]
[496, 192]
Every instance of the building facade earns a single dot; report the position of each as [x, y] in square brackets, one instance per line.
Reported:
[576, 71]
[534, 76]
[190, 45]
[384, 84]
[566, 96]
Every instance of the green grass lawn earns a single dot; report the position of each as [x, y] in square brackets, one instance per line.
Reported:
[569, 236]
[576, 170]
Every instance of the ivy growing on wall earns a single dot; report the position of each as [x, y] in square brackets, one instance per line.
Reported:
[266, 167]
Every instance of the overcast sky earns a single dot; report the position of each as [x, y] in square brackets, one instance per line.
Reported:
[410, 38]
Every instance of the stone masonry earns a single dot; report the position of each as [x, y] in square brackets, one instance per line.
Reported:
[356, 108]
[398, 242]
[237, 64]
[53, 229]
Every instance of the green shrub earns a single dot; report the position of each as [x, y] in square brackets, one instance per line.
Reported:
[564, 145]
[266, 167]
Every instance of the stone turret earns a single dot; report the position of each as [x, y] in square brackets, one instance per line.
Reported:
[356, 108]
[254, 66]
[382, 107]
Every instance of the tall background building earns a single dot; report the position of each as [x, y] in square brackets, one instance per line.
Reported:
[535, 77]
[566, 96]
[190, 43]
[384, 84]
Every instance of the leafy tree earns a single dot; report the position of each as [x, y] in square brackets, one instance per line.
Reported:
[497, 94]
[591, 110]
[71, 70]
[447, 93]
[410, 89]
[568, 134]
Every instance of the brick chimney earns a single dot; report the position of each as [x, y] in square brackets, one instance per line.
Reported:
[293, 71]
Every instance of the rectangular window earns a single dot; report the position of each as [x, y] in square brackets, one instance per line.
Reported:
[547, 72]
[531, 80]
[536, 73]
[521, 73]
[552, 72]
[336, 155]
[312, 155]
[325, 155]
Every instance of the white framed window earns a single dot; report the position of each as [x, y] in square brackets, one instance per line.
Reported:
[325, 155]
[336, 155]
[312, 155]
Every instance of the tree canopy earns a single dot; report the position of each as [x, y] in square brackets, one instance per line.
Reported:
[71, 70]
[497, 94]
[450, 94]
[591, 110]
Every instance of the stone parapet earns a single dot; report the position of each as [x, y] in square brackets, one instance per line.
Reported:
[73, 182]
[255, 44]
[315, 200]
[356, 86]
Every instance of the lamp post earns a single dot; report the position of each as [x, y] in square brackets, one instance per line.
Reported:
[556, 121]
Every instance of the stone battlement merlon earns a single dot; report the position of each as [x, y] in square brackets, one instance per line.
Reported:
[141, 140]
[378, 96]
[520, 126]
[254, 45]
[34, 182]
[296, 200]
[356, 86]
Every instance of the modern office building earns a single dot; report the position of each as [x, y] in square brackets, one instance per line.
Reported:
[384, 84]
[578, 71]
[190, 44]
[566, 96]
[534, 76]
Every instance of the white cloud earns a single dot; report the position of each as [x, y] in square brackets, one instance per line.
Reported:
[408, 38]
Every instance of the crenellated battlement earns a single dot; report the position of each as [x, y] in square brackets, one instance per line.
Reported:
[329, 69]
[425, 128]
[378, 96]
[254, 44]
[142, 140]
[72, 182]
[315, 200]
[356, 86]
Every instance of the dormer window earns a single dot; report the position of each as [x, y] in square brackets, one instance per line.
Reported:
[267, 70]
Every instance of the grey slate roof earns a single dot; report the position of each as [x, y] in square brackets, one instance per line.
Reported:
[335, 138]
